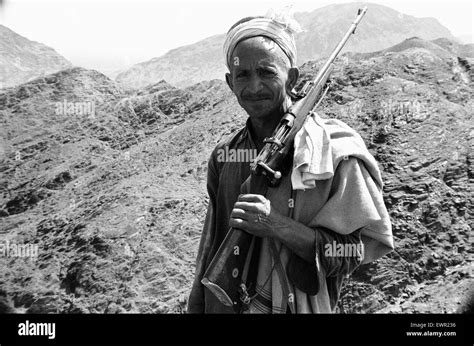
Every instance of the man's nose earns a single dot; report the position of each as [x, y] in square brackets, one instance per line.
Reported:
[255, 84]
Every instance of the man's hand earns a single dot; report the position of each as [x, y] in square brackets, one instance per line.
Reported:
[255, 215]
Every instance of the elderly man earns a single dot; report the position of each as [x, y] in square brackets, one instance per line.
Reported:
[312, 232]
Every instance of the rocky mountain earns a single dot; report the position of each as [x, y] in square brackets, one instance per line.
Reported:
[22, 60]
[381, 28]
[181, 67]
[110, 185]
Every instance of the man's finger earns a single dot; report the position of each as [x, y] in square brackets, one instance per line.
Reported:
[239, 223]
[239, 213]
[247, 206]
[251, 198]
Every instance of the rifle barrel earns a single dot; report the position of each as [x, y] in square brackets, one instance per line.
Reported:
[341, 44]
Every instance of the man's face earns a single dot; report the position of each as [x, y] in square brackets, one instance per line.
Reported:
[260, 76]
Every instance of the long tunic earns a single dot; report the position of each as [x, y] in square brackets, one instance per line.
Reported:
[347, 208]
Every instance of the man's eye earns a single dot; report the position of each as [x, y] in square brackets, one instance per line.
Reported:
[242, 74]
[267, 73]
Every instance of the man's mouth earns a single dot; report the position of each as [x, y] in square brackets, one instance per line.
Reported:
[256, 99]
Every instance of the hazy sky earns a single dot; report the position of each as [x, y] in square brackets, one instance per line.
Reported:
[107, 35]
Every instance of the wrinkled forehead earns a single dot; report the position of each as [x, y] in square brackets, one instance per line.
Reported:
[256, 50]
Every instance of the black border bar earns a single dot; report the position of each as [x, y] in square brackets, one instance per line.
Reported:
[379, 329]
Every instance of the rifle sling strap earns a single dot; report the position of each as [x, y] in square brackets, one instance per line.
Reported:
[284, 279]
[245, 272]
[276, 258]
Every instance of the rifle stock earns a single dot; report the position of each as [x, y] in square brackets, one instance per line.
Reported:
[225, 276]
[225, 273]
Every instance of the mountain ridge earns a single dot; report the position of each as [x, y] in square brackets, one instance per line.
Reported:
[22, 59]
[324, 27]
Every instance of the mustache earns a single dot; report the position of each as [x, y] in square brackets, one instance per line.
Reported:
[256, 97]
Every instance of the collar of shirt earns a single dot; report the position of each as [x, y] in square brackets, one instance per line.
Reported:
[246, 134]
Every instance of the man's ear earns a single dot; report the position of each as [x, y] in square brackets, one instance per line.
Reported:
[228, 79]
[293, 75]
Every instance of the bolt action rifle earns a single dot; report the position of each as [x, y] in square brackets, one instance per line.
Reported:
[226, 276]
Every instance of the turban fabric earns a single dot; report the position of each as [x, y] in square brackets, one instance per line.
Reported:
[282, 33]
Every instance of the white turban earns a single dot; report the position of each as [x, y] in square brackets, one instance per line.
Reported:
[280, 30]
